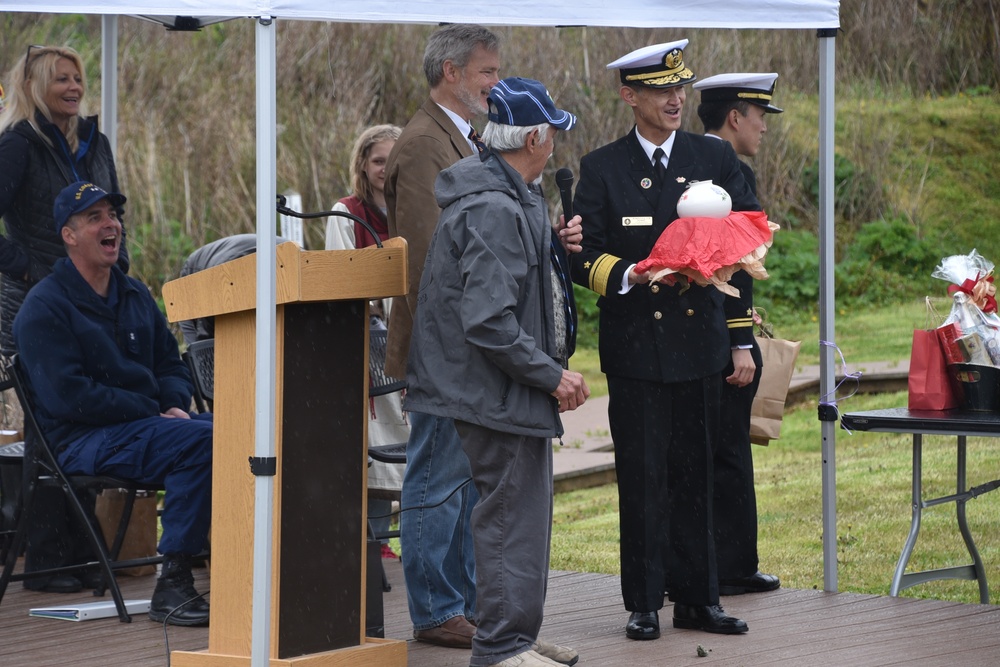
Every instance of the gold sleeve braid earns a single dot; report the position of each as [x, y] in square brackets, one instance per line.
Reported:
[600, 271]
[739, 322]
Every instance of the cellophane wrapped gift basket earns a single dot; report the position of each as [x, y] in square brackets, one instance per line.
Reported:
[969, 337]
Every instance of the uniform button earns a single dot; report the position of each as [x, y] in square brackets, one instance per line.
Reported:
[654, 289]
[657, 315]
[689, 312]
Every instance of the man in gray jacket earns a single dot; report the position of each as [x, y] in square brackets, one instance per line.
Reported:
[461, 63]
[484, 353]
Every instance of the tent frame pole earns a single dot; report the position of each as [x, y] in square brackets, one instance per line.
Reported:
[264, 407]
[109, 80]
[827, 305]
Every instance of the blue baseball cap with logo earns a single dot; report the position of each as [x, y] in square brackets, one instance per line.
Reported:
[524, 103]
[79, 197]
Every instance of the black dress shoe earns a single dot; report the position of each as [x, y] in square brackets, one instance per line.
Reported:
[711, 618]
[178, 606]
[90, 578]
[643, 625]
[175, 599]
[59, 583]
[755, 583]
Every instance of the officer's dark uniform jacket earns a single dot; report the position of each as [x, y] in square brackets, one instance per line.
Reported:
[658, 333]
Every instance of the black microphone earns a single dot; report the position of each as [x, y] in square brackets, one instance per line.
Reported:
[564, 179]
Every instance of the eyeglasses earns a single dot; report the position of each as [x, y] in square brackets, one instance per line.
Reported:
[27, 58]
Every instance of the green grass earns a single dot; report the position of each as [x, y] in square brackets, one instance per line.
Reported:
[586, 361]
[931, 156]
[873, 486]
[883, 334]
[873, 518]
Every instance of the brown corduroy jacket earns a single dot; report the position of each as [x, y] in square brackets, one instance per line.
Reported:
[429, 143]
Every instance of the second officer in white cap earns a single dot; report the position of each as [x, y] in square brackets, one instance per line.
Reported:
[733, 109]
[663, 347]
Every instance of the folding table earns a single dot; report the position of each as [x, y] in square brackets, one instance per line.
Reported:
[958, 423]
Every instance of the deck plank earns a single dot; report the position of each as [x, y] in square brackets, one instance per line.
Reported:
[787, 627]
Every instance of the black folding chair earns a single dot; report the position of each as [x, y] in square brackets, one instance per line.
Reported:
[200, 358]
[45, 470]
[11, 467]
[380, 384]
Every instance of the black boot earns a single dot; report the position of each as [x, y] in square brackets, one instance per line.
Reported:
[59, 583]
[175, 588]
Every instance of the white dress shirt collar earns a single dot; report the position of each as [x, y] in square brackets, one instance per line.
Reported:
[463, 126]
[649, 146]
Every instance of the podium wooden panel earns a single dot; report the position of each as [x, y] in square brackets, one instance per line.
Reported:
[318, 576]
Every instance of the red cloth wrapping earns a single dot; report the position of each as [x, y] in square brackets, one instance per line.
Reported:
[705, 245]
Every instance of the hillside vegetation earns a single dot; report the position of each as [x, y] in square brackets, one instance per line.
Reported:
[917, 126]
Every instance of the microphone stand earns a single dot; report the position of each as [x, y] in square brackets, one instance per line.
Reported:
[283, 209]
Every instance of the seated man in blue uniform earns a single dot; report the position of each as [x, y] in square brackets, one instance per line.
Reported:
[111, 391]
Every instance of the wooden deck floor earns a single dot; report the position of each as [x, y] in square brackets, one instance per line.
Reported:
[787, 627]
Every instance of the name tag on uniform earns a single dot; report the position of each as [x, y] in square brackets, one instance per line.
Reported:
[638, 221]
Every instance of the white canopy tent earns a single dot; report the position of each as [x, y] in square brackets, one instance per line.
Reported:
[820, 15]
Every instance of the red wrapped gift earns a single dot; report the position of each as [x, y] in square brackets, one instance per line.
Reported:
[947, 335]
[710, 250]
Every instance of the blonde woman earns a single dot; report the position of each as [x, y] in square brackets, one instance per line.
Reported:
[387, 423]
[368, 160]
[46, 144]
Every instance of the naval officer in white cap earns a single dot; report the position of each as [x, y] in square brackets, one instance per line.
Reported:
[664, 348]
[733, 109]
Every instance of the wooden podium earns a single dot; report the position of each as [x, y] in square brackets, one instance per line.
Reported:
[318, 576]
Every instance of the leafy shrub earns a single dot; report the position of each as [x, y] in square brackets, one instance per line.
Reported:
[157, 252]
[886, 262]
[858, 282]
[979, 91]
[588, 316]
[893, 244]
[793, 266]
[857, 196]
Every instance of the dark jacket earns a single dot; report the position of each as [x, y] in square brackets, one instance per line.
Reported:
[656, 333]
[32, 172]
[739, 310]
[212, 254]
[93, 364]
[483, 336]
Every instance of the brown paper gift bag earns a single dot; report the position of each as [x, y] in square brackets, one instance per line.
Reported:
[769, 404]
[140, 537]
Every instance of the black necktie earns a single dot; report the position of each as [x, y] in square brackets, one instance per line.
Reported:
[476, 141]
[658, 166]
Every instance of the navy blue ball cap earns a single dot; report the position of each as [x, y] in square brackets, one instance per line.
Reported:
[524, 103]
[79, 197]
